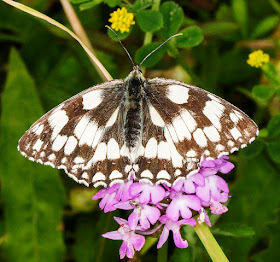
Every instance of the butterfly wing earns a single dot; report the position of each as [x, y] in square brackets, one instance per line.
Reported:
[185, 123]
[70, 136]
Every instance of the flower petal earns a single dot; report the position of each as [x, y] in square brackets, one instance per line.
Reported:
[115, 235]
[163, 237]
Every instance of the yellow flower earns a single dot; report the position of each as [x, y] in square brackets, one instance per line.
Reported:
[257, 58]
[121, 20]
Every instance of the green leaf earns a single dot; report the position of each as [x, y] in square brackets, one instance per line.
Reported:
[265, 26]
[271, 253]
[263, 91]
[271, 73]
[273, 126]
[121, 36]
[224, 13]
[78, 1]
[219, 28]
[252, 150]
[240, 13]
[192, 36]
[141, 5]
[273, 149]
[173, 17]
[112, 3]
[149, 20]
[90, 4]
[234, 230]
[151, 60]
[33, 215]
[254, 202]
[89, 245]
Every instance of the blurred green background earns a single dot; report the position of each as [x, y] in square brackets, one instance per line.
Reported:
[45, 216]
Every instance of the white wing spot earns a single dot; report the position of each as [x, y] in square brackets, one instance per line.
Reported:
[97, 136]
[155, 116]
[214, 98]
[98, 176]
[178, 94]
[85, 175]
[233, 117]
[181, 128]
[199, 137]
[70, 145]
[124, 151]
[135, 168]
[206, 153]
[212, 133]
[81, 126]
[92, 99]
[220, 147]
[37, 146]
[178, 172]
[213, 111]
[147, 173]
[113, 118]
[163, 150]
[191, 153]
[57, 121]
[127, 168]
[235, 133]
[39, 130]
[52, 157]
[251, 140]
[88, 134]
[42, 154]
[115, 174]
[100, 153]
[170, 129]
[189, 120]
[230, 143]
[163, 174]
[79, 160]
[59, 142]
[177, 159]
[151, 148]
[238, 114]
[113, 150]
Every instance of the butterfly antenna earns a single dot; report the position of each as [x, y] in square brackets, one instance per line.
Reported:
[121, 44]
[159, 47]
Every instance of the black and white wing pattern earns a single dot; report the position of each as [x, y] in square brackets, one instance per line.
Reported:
[156, 130]
[81, 135]
[183, 124]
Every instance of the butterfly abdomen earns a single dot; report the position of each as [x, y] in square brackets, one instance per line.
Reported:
[133, 104]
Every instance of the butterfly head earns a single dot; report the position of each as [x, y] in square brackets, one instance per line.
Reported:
[135, 77]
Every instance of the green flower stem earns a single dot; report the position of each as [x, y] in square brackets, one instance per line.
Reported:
[149, 36]
[76, 24]
[210, 243]
[163, 253]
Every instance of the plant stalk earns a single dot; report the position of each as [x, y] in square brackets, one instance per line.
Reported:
[210, 243]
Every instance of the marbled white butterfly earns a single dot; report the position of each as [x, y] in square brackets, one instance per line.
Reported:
[155, 129]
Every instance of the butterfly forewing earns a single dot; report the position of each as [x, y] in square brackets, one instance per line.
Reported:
[157, 130]
[68, 136]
